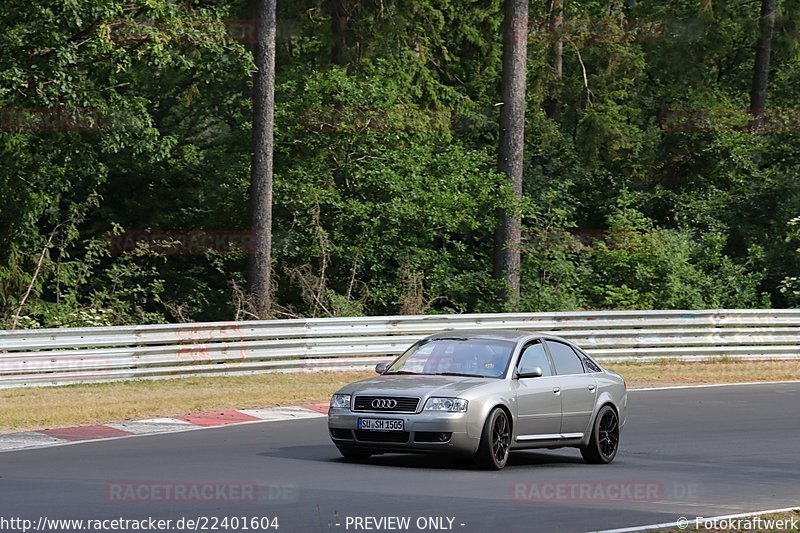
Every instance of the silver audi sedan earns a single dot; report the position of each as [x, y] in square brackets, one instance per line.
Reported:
[483, 394]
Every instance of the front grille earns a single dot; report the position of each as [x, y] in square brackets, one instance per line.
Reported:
[381, 436]
[404, 404]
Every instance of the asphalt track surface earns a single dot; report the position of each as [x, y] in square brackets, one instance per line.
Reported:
[688, 452]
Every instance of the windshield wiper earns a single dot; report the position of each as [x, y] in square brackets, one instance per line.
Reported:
[456, 374]
[402, 372]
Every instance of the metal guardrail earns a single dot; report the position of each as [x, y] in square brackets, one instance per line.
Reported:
[73, 355]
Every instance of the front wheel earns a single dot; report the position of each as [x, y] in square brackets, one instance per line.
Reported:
[495, 441]
[604, 442]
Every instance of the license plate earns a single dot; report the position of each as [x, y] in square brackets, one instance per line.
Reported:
[380, 424]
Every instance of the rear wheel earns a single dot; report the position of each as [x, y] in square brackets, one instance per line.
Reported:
[356, 455]
[495, 441]
[604, 442]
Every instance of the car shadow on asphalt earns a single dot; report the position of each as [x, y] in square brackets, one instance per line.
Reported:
[328, 454]
[516, 459]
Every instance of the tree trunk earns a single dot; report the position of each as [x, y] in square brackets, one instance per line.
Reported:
[552, 106]
[512, 137]
[260, 267]
[758, 92]
[338, 27]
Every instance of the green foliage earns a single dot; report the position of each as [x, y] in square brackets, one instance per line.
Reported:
[640, 266]
[114, 113]
[129, 116]
[375, 186]
[790, 285]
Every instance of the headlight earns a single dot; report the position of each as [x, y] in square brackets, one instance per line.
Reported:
[340, 401]
[453, 405]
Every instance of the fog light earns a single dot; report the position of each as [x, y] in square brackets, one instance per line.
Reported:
[434, 437]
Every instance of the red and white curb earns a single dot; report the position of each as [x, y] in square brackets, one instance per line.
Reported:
[152, 426]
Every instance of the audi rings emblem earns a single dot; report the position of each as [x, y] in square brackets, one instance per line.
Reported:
[384, 403]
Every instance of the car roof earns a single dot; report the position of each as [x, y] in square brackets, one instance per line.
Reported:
[502, 334]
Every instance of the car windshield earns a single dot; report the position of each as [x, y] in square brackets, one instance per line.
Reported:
[455, 357]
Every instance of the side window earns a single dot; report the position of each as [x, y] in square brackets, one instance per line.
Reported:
[565, 359]
[533, 356]
[590, 365]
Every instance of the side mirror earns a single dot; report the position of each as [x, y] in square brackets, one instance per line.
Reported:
[534, 372]
[380, 368]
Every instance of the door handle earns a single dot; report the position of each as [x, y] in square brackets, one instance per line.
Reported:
[591, 388]
[556, 389]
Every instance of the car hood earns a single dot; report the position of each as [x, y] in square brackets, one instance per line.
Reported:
[421, 386]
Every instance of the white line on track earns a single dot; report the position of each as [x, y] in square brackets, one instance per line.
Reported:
[687, 524]
[708, 385]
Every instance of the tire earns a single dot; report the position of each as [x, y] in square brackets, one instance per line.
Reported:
[355, 455]
[495, 441]
[604, 442]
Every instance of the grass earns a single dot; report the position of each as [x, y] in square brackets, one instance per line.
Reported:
[47, 407]
[665, 372]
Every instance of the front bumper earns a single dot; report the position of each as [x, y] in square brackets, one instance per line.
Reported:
[422, 432]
